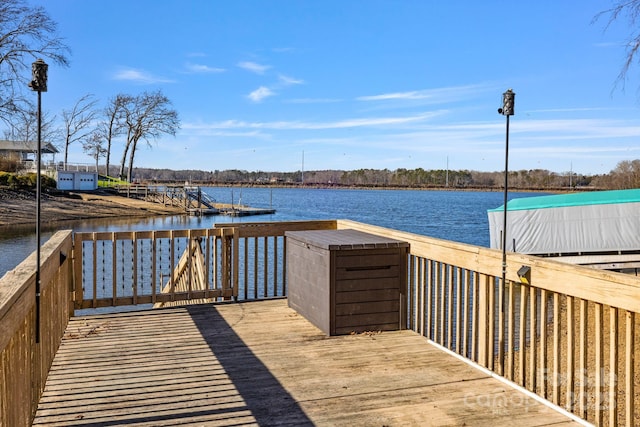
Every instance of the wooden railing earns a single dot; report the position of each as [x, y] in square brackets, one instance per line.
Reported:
[566, 333]
[25, 360]
[241, 261]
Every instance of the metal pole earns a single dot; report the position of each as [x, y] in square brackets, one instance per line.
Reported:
[38, 205]
[504, 215]
[39, 84]
[507, 110]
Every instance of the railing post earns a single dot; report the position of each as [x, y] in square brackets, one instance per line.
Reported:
[227, 242]
[483, 319]
[236, 261]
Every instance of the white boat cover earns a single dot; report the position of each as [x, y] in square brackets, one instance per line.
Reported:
[576, 223]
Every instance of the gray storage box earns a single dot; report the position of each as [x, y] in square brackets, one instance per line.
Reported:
[346, 281]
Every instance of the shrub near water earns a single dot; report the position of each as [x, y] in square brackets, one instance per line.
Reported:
[25, 181]
[4, 178]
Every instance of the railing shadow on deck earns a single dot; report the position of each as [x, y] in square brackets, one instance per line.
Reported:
[264, 396]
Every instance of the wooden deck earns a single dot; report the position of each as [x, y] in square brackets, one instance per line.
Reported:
[260, 363]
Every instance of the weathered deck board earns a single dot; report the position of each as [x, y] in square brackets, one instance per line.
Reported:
[260, 363]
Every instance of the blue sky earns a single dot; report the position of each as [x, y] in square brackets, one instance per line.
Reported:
[359, 83]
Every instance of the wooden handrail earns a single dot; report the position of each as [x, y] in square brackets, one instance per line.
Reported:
[24, 364]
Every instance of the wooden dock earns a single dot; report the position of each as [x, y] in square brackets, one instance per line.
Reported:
[236, 211]
[260, 363]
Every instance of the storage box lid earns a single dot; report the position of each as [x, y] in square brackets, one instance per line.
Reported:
[344, 239]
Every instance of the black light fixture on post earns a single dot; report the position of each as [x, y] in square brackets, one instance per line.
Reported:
[508, 99]
[39, 84]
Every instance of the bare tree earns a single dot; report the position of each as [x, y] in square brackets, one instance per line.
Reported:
[26, 33]
[147, 117]
[78, 122]
[629, 10]
[22, 127]
[113, 123]
[93, 145]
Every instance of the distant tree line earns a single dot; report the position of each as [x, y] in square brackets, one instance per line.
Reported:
[625, 175]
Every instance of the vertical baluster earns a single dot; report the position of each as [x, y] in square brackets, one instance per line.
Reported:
[533, 334]
[429, 302]
[458, 303]
[420, 293]
[583, 360]
[613, 366]
[114, 268]
[511, 330]
[215, 270]
[189, 251]
[630, 349]
[265, 262]
[439, 306]
[543, 344]
[284, 267]
[466, 295]
[78, 264]
[134, 267]
[275, 266]
[172, 263]
[501, 319]
[236, 262]
[556, 348]
[154, 266]
[411, 297]
[483, 320]
[255, 267]
[475, 306]
[450, 280]
[522, 339]
[94, 277]
[569, 399]
[491, 336]
[245, 241]
[599, 347]
[104, 272]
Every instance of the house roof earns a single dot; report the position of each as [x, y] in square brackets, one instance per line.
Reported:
[20, 146]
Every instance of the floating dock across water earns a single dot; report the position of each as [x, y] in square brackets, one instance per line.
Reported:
[246, 211]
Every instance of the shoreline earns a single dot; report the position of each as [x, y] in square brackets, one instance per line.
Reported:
[18, 207]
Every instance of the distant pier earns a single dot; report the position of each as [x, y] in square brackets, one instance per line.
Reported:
[192, 198]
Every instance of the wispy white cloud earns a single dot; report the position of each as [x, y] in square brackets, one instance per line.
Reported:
[438, 95]
[261, 93]
[289, 81]
[202, 69]
[339, 124]
[566, 110]
[139, 76]
[609, 44]
[254, 67]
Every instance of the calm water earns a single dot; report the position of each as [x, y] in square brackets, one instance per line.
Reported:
[453, 215]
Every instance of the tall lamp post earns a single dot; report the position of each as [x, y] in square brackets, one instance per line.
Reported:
[39, 84]
[508, 99]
